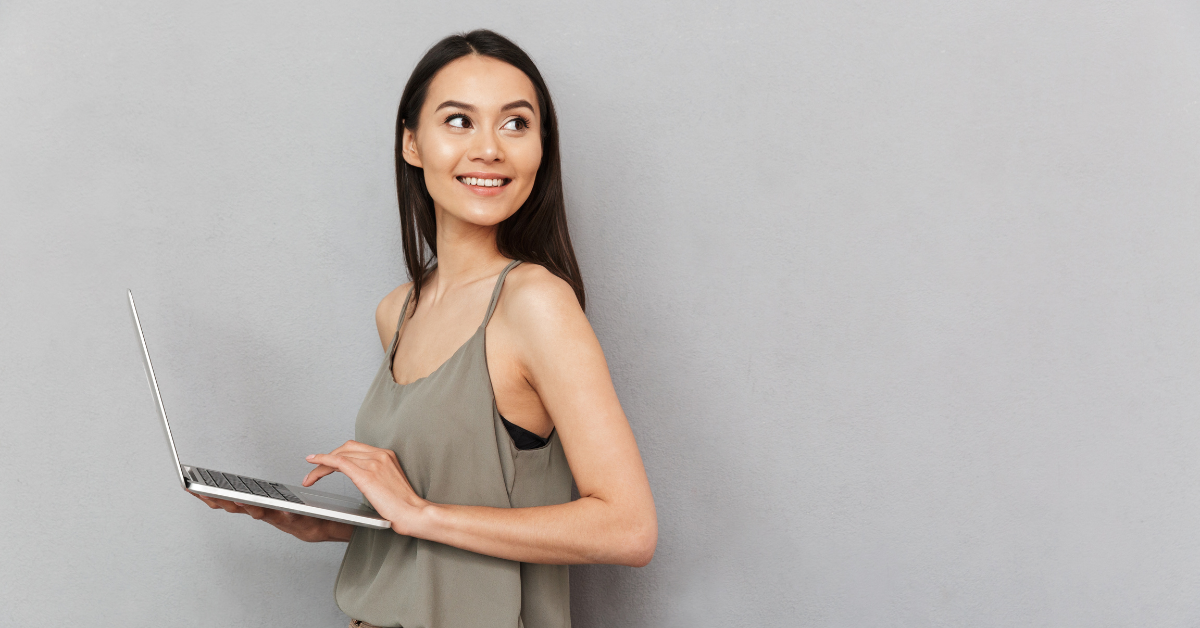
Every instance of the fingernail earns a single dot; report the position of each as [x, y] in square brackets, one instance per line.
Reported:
[310, 456]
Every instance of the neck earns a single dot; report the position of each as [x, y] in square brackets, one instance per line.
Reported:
[466, 253]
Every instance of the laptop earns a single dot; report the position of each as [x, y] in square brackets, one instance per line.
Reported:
[247, 490]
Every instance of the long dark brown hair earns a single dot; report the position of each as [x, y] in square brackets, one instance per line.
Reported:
[537, 232]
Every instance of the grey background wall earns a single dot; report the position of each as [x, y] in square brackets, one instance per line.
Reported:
[901, 298]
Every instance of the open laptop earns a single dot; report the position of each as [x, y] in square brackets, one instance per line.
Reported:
[246, 490]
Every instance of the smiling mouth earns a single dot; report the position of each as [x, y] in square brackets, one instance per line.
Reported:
[485, 183]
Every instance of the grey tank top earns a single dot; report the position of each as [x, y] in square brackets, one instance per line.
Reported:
[452, 444]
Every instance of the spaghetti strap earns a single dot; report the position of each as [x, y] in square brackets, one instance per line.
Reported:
[496, 291]
[404, 311]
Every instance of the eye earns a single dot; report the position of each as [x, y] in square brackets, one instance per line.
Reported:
[459, 121]
[516, 124]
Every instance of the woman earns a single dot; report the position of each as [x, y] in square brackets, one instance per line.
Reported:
[493, 380]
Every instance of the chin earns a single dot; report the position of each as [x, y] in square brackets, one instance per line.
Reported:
[485, 216]
[484, 212]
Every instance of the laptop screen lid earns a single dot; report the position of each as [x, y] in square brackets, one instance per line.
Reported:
[162, 412]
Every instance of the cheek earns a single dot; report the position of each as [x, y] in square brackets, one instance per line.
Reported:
[441, 158]
[439, 162]
[528, 159]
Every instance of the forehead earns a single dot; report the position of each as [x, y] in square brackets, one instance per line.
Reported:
[484, 82]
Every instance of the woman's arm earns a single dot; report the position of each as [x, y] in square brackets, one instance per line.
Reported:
[614, 520]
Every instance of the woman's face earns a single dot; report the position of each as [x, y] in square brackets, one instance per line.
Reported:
[478, 140]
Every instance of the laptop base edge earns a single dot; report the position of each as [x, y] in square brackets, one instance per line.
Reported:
[357, 516]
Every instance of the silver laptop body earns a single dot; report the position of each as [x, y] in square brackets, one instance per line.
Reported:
[246, 490]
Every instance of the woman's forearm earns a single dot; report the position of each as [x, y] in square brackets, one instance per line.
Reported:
[614, 526]
[338, 531]
[587, 530]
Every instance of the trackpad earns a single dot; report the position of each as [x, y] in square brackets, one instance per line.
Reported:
[322, 498]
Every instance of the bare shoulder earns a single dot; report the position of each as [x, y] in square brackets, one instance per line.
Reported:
[387, 315]
[534, 297]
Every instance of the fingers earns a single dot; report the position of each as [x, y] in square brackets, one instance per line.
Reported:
[211, 503]
[336, 462]
[257, 512]
[298, 525]
[351, 450]
[277, 517]
[316, 474]
[349, 447]
[359, 458]
[326, 464]
[351, 465]
[222, 504]
[355, 446]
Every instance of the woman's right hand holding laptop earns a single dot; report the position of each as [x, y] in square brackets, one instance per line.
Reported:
[303, 527]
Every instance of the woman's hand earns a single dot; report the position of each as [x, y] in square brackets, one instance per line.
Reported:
[302, 527]
[377, 473]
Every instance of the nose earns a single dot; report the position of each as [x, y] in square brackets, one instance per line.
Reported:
[485, 147]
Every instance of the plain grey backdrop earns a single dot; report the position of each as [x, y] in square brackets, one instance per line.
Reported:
[901, 298]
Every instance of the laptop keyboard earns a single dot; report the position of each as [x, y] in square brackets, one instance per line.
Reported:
[243, 484]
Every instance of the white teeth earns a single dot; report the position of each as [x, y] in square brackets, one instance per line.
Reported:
[487, 183]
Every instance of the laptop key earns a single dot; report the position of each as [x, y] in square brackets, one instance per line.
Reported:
[271, 492]
[206, 478]
[222, 481]
[212, 479]
[254, 487]
[237, 483]
[283, 490]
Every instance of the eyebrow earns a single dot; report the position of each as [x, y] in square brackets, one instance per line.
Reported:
[516, 104]
[456, 105]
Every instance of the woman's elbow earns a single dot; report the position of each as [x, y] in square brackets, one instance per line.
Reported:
[640, 544]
